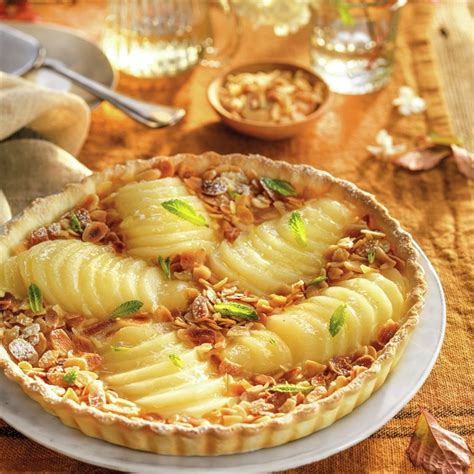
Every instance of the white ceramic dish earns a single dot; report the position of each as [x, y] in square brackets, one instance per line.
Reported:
[88, 59]
[414, 367]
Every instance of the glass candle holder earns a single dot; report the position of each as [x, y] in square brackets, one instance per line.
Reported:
[353, 43]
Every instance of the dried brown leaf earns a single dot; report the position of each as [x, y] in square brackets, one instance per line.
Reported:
[465, 160]
[437, 449]
[423, 158]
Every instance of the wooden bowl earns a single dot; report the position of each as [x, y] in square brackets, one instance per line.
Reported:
[265, 130]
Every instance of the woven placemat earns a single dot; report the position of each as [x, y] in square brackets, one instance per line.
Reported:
[435, 206]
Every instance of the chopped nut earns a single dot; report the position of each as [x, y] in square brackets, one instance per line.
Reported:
[23, 350]
[387, 332]
[83, 216]
[48, 359]
[93, 360]
[31, 330]
[90, 202]
[39, 235]
[55, 375]
[54, 230]
[335, 273]
[41, 345]
[202, 272]
[312, 368]
[200, 336]
[98, 215]
[61, 341]
[228, 367]
[149, 175]
[214, 188]
[166, 167]
[364, 361]
[78, 362]
[95, 232]
[340, 365]
[5, 303]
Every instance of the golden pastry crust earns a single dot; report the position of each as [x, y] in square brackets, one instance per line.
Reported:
[213, 439]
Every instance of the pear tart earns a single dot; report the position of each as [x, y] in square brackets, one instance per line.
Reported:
[205, 305]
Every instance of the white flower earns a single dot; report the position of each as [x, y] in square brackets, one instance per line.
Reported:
[408, 102]
[386, 147]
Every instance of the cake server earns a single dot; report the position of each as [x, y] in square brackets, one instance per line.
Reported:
[20, 52]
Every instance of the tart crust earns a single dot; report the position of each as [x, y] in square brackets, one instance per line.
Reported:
[211, 439]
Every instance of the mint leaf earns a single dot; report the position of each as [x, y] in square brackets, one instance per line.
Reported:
[75, 224]
[185, 211]
[291, 388]
[35, 299]
[233, 194]
[278, 185]
[298, 229]
[70, 377]
[317, 280]
[176, 360]
[236, 310]
[338, 319]
[119, 348]
[126, 309]
[165, 264]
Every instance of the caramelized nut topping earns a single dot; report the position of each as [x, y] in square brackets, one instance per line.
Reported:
[214, 188]
[23, 350]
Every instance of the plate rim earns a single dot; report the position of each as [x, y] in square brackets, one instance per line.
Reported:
[300, 459]
[78, 34]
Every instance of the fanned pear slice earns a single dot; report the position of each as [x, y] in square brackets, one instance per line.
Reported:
[150, 230]
[301, 332]
[89, 279]
[10, 278]
[259, 351]
[160, 374]
[269, 257]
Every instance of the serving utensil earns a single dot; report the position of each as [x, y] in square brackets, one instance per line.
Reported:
[20, 52]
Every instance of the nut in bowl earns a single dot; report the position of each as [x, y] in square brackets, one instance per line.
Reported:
[271, 100]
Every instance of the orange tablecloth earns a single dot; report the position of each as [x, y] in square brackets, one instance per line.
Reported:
[435, 206]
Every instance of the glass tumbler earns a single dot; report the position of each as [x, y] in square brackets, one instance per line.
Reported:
[353, 43]
[153, 38]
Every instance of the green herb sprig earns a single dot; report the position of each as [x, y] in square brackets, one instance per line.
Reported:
[338, 319]
[298, 229]
[126, 309]
[176, 360]
[280, 186]
[70, 377]
[236, 310]
[317, 280]
[291, 388]
[165, 265]
[120, 348]
[75, 223]
[184, 211]
[35, 299]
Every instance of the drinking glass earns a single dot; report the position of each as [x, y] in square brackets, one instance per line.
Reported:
[353, 43]
[153, 38]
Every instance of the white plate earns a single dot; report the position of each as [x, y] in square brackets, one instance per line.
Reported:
[87, 59]
[414, 367]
